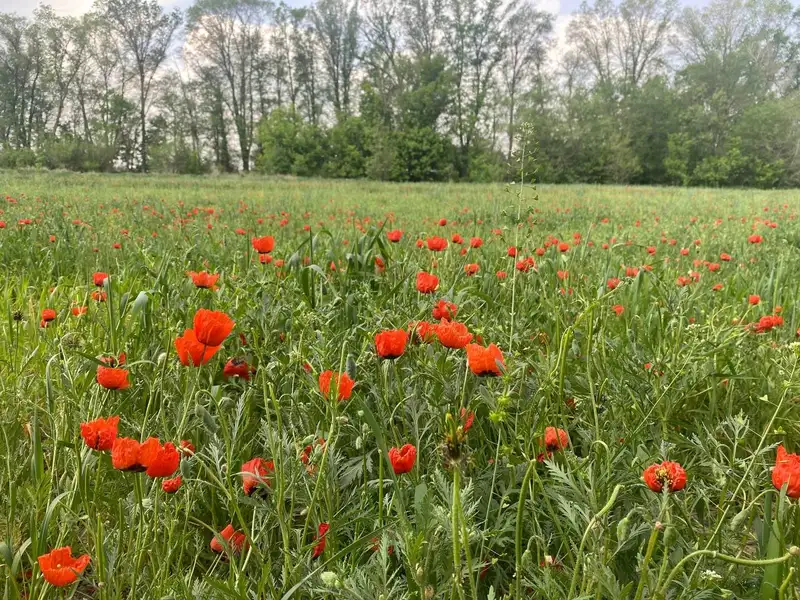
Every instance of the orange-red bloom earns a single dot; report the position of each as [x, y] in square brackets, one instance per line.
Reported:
[787, 471]
[204, 279]
[667, 473]
[99, 278]
[471, 268]
[158, 460]
[100, 433]
[60, 569]
[755, 239]
[191, 352]
[264, 245]
[112, 378]
[452, 334]
[485, 361]
[237, 367]
[395, 236]
[125, 454]
[444, 311]
[391, 343]
[555, 439]
[48, 314]
[341, 382]
[230, 538]
[422, 331]
[403, 459]
[436, 243]
[170, 486]
[79, 310]
[427, 282]
[211, 327]
[319, 547]
[256, 471]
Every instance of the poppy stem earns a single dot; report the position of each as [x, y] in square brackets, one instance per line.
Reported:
[523, 490]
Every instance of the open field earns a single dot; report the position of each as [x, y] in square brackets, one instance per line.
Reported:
[631, 326]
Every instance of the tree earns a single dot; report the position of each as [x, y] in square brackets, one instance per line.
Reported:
[336, 23]
[146, 32]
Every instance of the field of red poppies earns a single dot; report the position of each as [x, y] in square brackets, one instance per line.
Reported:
[239, 388]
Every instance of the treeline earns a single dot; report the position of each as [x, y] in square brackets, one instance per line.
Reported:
[639, 91]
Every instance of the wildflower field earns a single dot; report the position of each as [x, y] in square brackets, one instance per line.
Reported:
[243, 388]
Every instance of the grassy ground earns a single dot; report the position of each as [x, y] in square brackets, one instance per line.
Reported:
[668, 363]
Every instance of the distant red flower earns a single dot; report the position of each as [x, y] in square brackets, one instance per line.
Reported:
[125, 454]
[753, 299]
[341, 382]
[471, 268]
[254, 472]
[192, 352]
[380, 266]
[170, 486]
[475, 242]
[563, 247]
[79, 310]
[767, 323]
[265, 259]
[618, 309]
[452, 334]
[99, 278]
[787, 472]
[444, 311]
[100, 433]
[391, 343]
[717, 287]
[427, 282]
[420, 243]
[485, 361]
[667, 473]
[237, 367]
[48, 314]
[403, 459]
[228, 538]
[204, 279]
[187, 448]
[442, 222]
[512, 251]
[555, 439]
[112, 378]
[319, 547]
[501, 274]
[651, 250]
[456, 239]
[436, 243]
[395, 236]
[211, 327]
[60, 569]
[755, 239]
[263, 245]
[725, 257]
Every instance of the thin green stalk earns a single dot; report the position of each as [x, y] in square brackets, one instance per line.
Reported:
[526, 480]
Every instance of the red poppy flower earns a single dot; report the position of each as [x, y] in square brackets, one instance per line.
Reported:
[170, 486]
[422, 331]
[442, 222]
[555, 439]
[211, 327]
[452, 334]
[125, 454]
[475, 242]
[403, 459]
[187, 447]
[341, 381]
[444, 311]
[191, 352]
[254, 472]
[264, 245]
[485, 361]
[667, 473]
[204, 280]
[380, 266]
[48, 314]
[237, 367]
[420, 243]
[60, 569]
[391, 343]
[717, 287]
[512, 251]
[456, 239]
[467, 419]
[427, 282]
[112, 378]
[99, 296]
[563, 247]
[754, 299]
[265, 259]
[471, 268]
[158, 460]
[787, 471]
[319, 547]
[618, 309]
[725, 257]
[436, 243]
[230, 538]
[79, 310]
[501, 274]
[100, 433]
[755, 239]
[767, 323]
[99, 278]
[395, 236]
